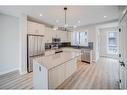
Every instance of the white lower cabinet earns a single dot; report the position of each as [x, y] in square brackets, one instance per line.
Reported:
[59, 74]
[70, 68]
[40, 76]
[56, 76]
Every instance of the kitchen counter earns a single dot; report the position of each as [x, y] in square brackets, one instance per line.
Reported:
[50, 71]
[52, 51]
[56, 59]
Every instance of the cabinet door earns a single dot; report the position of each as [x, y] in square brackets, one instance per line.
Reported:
[63, 36]
[56, 76]
[40, 76]
[31, 27]
[58, 34]
[69, 36]
[54, 34]
[41, 29]
[70, 68]
[48, 35]
[35, 28]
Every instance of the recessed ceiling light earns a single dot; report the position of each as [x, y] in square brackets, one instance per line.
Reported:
[124, 11]
[75, 26]
[57, 21]
[79, 21]
[40, 14]
[105, 16]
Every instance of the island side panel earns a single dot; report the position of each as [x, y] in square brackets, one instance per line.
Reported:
[40, 76]
[71, 67]
[56, 76]
[59, 74]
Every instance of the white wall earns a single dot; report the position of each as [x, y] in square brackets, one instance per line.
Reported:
[9, 43]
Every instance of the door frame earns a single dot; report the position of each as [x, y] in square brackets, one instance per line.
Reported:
[108, 29]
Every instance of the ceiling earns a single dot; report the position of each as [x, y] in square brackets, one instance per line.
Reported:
[76, 15]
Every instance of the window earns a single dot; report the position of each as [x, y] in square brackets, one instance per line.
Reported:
[75, 38]
[79, 39]
[83, 39]
[112, 43]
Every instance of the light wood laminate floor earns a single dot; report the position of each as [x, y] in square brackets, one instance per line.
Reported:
[100, 75]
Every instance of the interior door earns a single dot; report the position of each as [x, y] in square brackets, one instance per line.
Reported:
[123, 52]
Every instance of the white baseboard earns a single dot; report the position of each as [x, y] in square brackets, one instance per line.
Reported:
[22, 73]
[11, 70]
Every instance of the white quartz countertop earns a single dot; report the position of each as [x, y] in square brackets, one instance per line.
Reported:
[56, 59]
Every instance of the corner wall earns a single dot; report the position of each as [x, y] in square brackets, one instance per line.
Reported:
[9, 44]
[23, 44]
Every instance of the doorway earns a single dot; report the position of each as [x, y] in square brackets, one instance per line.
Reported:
[109, 42]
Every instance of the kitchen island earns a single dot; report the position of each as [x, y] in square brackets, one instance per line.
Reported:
[50, 71]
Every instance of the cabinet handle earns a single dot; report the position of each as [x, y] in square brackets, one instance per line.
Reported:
[39, 68]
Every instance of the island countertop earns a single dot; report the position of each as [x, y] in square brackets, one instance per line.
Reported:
[54, 60]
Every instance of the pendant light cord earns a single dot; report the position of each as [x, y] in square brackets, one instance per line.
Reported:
[65, 9]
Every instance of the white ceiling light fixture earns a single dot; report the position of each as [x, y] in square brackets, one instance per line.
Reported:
[105, 16]
[66, 26]
[79, 21]
[124, 11]
[41, 15]
[65, 9]
[57, 21]
[75, 26]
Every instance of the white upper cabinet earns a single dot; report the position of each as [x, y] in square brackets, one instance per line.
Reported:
[55, 33]
[69, 36]
[41, 29]
[63, 36]
[60, 34]
[48, 35]
[35, 28]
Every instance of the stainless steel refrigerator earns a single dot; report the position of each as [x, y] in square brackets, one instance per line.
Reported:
[35, 48]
